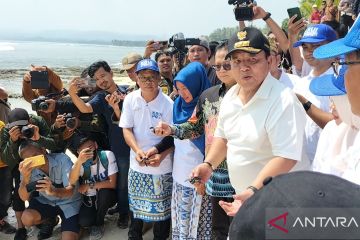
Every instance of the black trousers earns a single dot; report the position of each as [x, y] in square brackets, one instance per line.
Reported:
[9, 193]
[161, 229]
[220, 220]
[93, 209]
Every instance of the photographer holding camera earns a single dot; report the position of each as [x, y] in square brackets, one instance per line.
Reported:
[20, 126]
[47, 188]
[107, 103]
[55, 86]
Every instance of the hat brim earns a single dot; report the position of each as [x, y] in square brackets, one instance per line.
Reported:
[127, 67]
[18, 123]
[243, 49]
[328, 85]
[308, 40]
[333, 49]
[147, 68]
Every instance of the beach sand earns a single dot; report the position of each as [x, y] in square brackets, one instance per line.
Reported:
[111, 230]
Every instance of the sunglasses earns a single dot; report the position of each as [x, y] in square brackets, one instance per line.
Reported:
[226, 66]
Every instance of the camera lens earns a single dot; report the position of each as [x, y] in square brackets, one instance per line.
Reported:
[71, 123]
[43, 106]
[27, 131]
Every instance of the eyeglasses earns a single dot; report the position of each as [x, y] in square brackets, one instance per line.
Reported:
[151, 79]
[226, 66]
[336, 64]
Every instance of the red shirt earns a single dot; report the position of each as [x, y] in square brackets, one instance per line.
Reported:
[315, 17]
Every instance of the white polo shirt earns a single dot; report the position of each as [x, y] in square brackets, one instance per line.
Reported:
[312, 130]
[271, 124]
[288, 79]
[140, 116]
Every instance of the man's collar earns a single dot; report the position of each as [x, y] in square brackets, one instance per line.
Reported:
[264, 91]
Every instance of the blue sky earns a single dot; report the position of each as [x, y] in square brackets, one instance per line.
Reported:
[160, 18]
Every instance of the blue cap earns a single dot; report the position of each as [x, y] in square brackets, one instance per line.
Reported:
[350, 43]
[147, 64]
[329, 84]
[317, 33]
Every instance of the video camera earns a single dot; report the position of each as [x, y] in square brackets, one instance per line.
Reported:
[243, 9]
[178, 45]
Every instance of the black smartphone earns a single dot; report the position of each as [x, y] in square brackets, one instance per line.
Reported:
[293, 11]
[30, 187]
[39, 80]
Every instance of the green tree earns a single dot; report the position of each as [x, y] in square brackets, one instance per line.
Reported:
[222, 33]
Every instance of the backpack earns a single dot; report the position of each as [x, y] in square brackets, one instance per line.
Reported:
[87, 170]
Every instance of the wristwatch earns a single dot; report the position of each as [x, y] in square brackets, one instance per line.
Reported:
[307, 105]
[91, 185]
[267, 16]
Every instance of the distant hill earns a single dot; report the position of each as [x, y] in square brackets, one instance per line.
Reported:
[72, 36]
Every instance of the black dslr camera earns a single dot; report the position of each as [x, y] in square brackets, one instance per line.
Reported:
[70, 121]
[27, 131]
[243, 9]
[39, 104]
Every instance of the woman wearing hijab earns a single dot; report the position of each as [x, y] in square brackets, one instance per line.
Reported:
[191, 212]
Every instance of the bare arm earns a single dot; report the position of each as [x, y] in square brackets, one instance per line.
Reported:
[276, 166]
[293, 32]
[320, 117]
[260, 13]
[79, 103]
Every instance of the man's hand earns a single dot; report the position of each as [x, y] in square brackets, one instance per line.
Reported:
[154, 160]
[294, 28]
[25, 170]
[15, 133]
[149, 49]
[74, 86]
[140, 155]
[202, 171]
[27, 76]
[51, 106]
[259, 12]
[45, 186]
[151, 152]
[162, 129]
[232, 208]
[84, 188]
[36, 132]
[113, 99]
[84, 155]
[59, 121]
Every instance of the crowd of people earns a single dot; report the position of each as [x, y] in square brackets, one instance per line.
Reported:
[189, 143]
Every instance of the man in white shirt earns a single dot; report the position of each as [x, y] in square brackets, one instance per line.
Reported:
[317, 107]
[261, 123]
[150, 177]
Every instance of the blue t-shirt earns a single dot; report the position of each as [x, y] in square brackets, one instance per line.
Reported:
[59, 169]
[116, 138]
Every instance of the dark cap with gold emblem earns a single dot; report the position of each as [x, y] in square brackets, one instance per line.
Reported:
[249, 40]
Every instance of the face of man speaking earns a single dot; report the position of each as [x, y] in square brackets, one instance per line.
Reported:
[249, 69]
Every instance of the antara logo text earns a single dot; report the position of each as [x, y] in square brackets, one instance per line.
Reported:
[279, 222]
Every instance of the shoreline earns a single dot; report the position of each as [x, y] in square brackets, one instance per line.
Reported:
[11, 79]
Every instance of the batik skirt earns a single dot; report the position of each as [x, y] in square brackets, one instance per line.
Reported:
[150, 196]
[190, 214]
